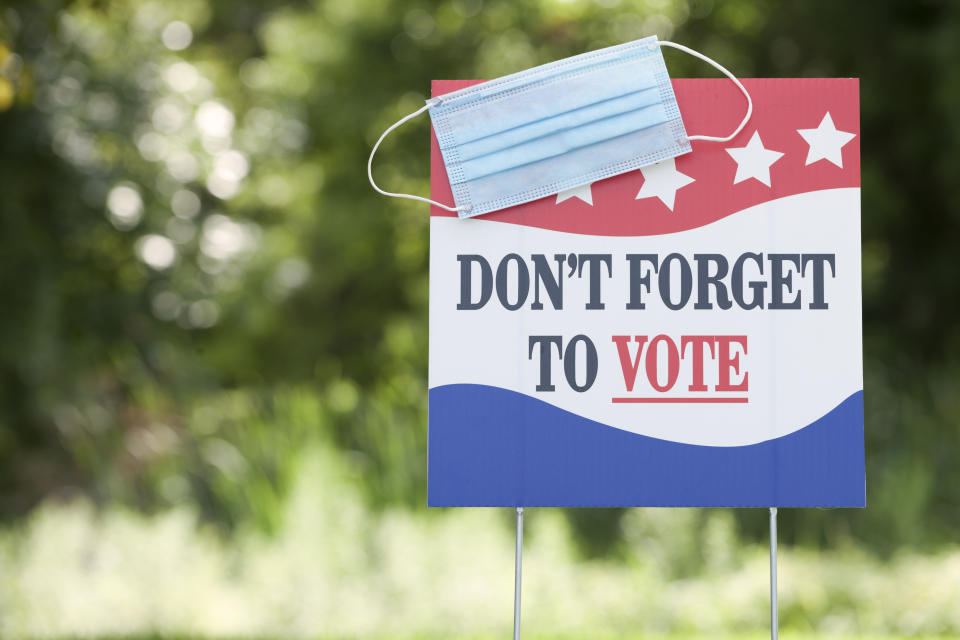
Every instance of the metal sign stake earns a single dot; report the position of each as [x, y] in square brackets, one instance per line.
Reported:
[773, 574]
[518, 569]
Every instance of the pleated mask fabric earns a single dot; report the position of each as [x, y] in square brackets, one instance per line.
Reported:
[560, 125]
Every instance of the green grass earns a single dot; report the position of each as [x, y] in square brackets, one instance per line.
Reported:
[336, 568]
[532, 636]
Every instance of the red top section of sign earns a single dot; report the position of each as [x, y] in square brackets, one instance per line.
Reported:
[804, 136]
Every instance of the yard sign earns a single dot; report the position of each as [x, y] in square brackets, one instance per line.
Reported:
[688, 334]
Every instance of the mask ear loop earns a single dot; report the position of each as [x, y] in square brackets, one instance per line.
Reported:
[716, 65]
[430, 103]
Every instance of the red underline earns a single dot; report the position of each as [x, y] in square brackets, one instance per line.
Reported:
[695, 400]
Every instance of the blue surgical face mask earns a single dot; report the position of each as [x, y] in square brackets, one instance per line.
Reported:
[557, 126]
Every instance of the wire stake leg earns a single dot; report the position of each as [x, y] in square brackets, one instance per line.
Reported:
[773, 574]
[518, 570]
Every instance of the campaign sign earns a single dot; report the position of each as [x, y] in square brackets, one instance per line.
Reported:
[686, 334]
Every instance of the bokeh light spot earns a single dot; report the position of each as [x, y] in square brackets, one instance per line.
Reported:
[125, 207]
[156, 251]
[203, 314]
[166, 305]
[214, 119]
[185, 204]
[223, 238]
[181, 76]
[177, 36]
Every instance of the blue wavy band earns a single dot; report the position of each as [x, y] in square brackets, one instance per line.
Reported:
[493, 447]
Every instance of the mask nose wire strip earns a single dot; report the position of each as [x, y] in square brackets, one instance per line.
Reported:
[716, 65]
[431, 103]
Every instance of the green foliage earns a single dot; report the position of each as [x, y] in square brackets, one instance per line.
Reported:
[198, 282]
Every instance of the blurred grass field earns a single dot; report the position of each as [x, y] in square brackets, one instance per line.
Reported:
[338, 569]
[718, 636]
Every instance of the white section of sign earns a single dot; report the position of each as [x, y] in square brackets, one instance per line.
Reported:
[801, 363]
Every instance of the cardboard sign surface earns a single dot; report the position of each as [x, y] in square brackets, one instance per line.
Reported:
[688, 334]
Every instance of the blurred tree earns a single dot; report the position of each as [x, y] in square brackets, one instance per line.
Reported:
[197, 278]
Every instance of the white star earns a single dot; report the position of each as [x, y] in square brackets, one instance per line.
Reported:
[826, 142]
[583, 192]
[753, 161]
[662, 180]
